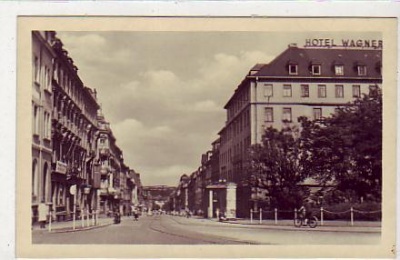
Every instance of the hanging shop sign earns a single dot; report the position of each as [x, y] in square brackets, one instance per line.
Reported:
[61, 167]
[86, 190]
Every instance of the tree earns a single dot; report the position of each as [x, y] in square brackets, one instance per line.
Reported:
[346, 148]
[274, 165]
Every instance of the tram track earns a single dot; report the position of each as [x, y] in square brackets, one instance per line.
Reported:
[192, 235]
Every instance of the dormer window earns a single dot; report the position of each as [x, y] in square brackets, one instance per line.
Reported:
[362, 70]
[316, 69]
[339, 70]
[293, 69]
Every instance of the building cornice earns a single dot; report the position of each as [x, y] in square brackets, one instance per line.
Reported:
[314, 79]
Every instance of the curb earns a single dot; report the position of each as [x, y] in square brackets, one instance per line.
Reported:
[291, 228]
[58, 231]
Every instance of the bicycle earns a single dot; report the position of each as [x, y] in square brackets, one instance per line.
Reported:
[312, 222]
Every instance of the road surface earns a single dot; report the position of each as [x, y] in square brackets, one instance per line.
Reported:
[167, 229]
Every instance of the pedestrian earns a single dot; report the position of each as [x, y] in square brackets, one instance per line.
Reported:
[135, 214]
[43, 211]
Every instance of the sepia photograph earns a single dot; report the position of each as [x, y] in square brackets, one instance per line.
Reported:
[196, 131]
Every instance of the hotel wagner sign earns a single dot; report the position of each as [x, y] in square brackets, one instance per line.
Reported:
[343, 43]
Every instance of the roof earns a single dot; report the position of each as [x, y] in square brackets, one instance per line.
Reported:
[327, 58]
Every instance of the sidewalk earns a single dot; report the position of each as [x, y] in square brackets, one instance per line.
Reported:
[328, 226]
[287, 224]
[67, 226]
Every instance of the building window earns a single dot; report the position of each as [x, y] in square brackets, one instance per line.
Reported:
[373, 90]
[34, 180]
[287, 90]
[36, 69]
[339, 70]
[293, 69]
[287, 114]
[48, 84]
[362, 70]
[305, 91]
[45, 125]
[35, 120]
[339, 91]
[356, 91]
[317, 113]
[269, 114]
[316, 69]
[44, 183]
[322, 91]
[268, 90]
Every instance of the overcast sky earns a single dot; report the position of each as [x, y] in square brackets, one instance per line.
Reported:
[164, 92]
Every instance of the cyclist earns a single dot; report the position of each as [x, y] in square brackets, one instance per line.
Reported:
[305, 212]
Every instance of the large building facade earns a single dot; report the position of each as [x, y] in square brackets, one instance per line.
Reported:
[311, 82]
[42, 103]
[76, 164]
[74, 133]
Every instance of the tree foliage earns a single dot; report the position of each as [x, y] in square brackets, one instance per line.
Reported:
[346, 148]
[274, 165]
[343, 150]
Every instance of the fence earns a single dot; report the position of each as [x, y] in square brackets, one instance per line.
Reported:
[261, 214]
[87, 219]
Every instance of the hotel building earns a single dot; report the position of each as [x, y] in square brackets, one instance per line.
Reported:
[310, 82]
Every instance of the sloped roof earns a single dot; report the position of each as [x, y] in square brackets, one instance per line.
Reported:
[327, 58]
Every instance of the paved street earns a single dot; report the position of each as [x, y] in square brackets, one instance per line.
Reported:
[167, 229]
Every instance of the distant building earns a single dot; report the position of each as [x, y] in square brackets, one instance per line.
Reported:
[157, 196]
[110, 159]
[311, 82]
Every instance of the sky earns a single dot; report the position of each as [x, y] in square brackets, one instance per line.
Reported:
[164, 92]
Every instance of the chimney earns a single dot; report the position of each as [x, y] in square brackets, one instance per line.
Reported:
[292, 45]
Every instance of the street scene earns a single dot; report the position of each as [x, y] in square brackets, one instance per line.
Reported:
[166, 229]
[173, 138]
